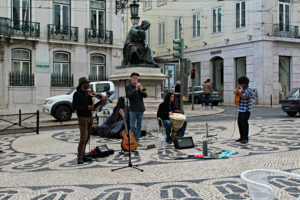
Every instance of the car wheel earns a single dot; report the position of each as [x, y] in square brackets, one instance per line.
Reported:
[215, 103]
[196, 101]
[292, 114]
[63, 113]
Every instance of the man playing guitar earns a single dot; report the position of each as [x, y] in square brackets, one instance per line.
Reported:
[245, 95]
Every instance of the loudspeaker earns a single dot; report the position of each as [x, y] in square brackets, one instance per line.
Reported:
[184, 143]
[103, 151]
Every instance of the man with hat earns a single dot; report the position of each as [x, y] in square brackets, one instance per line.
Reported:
[83, 104]
[136, 94]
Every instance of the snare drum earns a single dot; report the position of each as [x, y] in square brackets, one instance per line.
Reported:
[177, 121]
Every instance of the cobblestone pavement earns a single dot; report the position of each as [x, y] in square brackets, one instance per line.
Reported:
[44, 166]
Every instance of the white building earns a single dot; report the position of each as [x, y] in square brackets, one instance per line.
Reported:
[46, 46]
[227, 39]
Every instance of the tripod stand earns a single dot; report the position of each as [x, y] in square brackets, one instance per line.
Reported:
[130, 165]
[207, 136]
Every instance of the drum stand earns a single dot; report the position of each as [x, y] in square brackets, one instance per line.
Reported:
[207, 136]
[130, 165]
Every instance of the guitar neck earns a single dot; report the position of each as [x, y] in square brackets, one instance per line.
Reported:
[125, 123]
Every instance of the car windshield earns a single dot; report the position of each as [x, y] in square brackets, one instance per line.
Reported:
[293, 93]
[71, 91]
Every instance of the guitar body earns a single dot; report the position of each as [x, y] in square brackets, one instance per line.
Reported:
[237, 98]
[125, 141]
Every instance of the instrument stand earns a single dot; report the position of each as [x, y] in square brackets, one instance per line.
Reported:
[130, 165]
[207, 136]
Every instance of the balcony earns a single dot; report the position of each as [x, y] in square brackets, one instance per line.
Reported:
[98, 36]
[67, 33]
[287, 31]
[62, 80]
[10, 28]
[21, 79]
[93, 77]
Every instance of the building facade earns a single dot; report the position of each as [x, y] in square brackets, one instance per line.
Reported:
[46, 46]
[228, 39]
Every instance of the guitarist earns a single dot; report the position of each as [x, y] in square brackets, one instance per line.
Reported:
[246, 94]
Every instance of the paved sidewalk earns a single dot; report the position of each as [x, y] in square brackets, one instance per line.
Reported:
[44, 166]
[47, 120]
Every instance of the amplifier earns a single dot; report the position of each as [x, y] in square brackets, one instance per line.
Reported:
[103, 151]
[184, 143]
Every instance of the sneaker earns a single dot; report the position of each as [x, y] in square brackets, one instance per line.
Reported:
[244, 141]
[79, 161]
[239, 140]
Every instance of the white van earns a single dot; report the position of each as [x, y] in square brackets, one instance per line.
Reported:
[60, 107]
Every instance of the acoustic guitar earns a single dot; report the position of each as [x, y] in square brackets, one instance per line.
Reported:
[125, 136]
[238, 97]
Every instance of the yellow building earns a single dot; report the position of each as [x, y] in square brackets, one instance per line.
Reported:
[227, 39]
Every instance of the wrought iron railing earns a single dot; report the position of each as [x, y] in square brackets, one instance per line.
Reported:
[62, 32]
[62, 80]
[289, 31]
[11, 27]
[21, 79]
[93, 77]
[98, 36]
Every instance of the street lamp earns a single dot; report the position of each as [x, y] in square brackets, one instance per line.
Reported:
[134, 10]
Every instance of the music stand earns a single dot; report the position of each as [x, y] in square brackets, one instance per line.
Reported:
[130, 165]
[207, 136]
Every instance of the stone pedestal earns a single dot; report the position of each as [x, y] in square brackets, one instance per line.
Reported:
[151, 78]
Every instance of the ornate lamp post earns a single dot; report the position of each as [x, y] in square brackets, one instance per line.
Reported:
[134, 10]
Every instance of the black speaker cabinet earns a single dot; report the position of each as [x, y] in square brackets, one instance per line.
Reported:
[104, 151]
[184, 143]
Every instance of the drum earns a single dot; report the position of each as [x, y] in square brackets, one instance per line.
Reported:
[177, 120]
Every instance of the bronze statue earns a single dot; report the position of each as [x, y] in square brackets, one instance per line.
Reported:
[135, 50]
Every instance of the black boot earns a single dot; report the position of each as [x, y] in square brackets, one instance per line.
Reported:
[79, 161]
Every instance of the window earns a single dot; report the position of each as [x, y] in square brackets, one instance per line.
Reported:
[21, 68]
[97, 9]
[284, 75]
[178, 28]
[240, 65]
[61, 63]
[147, 4]
[284, 15]
[197, 68]
[240, 14]
[102, 87]
[196, 25]
[61, 15]
[217, 20]
[20, 12]
[161, 33]
[161, 2]
[97, 67]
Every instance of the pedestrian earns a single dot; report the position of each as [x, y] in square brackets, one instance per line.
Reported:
[136, 93]
[177, 87]
[245, 107]
[207, 92]
[83, 104]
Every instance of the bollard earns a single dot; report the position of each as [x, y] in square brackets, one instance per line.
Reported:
[271, 100]
[20, 119]
[37, 121]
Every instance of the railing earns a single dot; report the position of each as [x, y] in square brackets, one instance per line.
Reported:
[289, 31]
[98, 36]
[11, 27]
[21, 79]
[17, 120]
[62, 80]
[97, 78]
[62, 32]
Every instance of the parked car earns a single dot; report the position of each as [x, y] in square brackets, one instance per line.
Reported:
[216, 96]
[60, 107]
[291, 103]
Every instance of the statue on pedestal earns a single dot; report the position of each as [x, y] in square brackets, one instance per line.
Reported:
[136, 51]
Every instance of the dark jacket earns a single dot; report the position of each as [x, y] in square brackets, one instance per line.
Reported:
[136, 98]
[177, 88]
[163, 110]
[80, 103]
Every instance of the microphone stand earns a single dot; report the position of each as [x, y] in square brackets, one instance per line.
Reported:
[130, 165]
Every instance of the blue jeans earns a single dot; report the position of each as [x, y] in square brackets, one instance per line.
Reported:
[168, 125]
[207, 98]
[138, 118]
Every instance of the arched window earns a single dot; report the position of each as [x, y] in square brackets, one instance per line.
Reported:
[61, 63]
[21, 67]
[97, 67]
